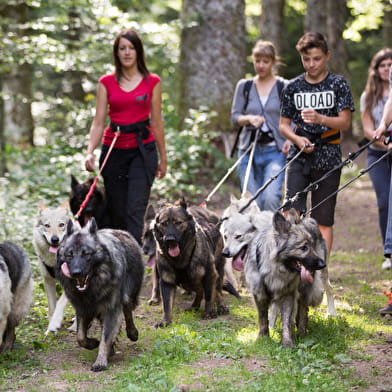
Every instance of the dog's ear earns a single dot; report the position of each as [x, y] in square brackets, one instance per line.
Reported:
[247, 195]
[233, 199]
[181, 202]
[64, 204]
[74, 182]
[281, 224]
[150, 212]
[41, 206]
[293, 216]
[70, 227]
[92, 226]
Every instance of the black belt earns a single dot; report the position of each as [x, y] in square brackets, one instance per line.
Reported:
[332, 136]
[138, 127]
[141, 131]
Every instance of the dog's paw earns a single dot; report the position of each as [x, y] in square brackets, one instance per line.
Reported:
[162, 324]
[209, 315]
[53, 327]
[154, 301]
[89, 343]
[133, 334]
[223, 309]
[99, 365]
[52, 330]
[287, 343]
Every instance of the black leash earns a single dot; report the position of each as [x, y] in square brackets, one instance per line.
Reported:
[312, 186]
[254, 197]
[361, 173]
[261, 189]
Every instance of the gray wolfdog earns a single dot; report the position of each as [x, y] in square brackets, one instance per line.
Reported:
[48, 233]
[204, 217]
[16, 289]
[188, 255]
[101, 272]
[282, 263]
[241, 229]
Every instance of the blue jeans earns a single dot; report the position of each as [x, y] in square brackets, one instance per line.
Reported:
[388, 233]
[267, 161]
[381, 179]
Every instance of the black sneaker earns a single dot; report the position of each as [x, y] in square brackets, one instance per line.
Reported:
[386, 310]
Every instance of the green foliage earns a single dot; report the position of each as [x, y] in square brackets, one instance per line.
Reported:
[194, 161]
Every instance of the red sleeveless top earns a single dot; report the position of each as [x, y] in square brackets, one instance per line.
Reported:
[127, 108]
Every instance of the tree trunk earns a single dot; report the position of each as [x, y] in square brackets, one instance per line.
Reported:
[17, 83]
[336, 22]
[73, 78]
[3, 167]
[212, 57]
[315, 17]
[387, 26]
[272, 22]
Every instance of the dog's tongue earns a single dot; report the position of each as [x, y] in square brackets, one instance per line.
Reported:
[238, 263]
[65, 270]
[306, 276]
[151, 261]
[175, 251]
[52, 249]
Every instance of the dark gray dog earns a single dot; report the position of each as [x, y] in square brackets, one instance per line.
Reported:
[101, 272]
[16, 290]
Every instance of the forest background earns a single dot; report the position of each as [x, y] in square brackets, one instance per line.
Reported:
[52, 53]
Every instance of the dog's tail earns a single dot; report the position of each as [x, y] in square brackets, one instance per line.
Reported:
[227, 286]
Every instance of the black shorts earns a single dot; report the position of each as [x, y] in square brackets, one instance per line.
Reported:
[297, 179]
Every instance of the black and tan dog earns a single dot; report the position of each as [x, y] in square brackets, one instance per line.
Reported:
[203, 216]
[188, 255]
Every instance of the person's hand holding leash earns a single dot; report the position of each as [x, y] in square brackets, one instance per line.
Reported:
[256, 121]
[90, 163]
[305, 144]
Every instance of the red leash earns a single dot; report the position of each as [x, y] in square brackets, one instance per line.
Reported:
[96, 179]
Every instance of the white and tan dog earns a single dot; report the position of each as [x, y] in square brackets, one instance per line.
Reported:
[49, 232]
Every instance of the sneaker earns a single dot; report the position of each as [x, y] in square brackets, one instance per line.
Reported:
[386, 310]
[387, 264]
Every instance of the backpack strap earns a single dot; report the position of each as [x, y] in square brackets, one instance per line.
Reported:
[247, 87]
[280, 86]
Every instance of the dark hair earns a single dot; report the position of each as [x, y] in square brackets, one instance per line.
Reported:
[137, 43]
[312, 40]
[374, 85]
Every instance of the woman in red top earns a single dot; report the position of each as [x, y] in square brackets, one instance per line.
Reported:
[131, 96]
